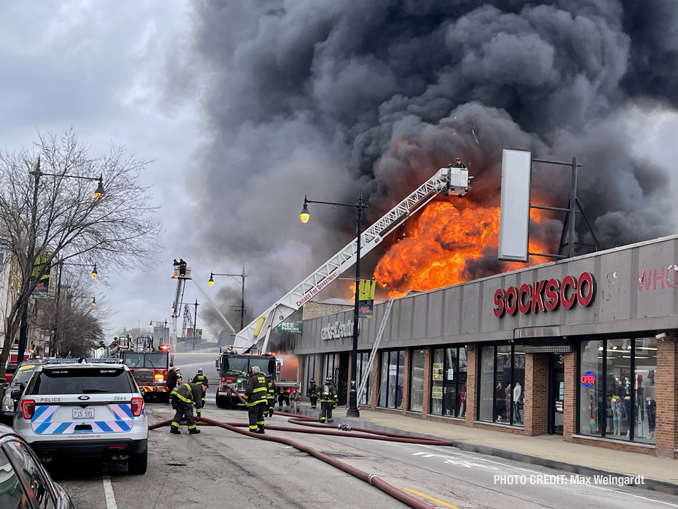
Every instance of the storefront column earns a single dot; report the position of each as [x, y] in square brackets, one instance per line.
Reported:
[407, 381]
[667, 397]
[375, 381]
[471, 383]
[570, 397]
[428, 354]
[536, 393]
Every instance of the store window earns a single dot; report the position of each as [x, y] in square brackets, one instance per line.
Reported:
[391, 379]
[362, 368]
[448, 382]
[309, 372]
[330, 367]
[617, 391]
[417, 381]
[502, 383]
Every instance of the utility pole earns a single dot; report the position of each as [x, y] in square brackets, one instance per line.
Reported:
[195, 321]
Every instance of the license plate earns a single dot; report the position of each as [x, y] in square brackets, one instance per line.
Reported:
[83, 413]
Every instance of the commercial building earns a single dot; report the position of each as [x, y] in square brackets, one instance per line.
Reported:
[585, 348]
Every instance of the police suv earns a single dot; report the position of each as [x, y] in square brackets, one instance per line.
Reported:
[85, 409]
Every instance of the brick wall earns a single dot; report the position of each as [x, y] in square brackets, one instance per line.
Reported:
[570, 397]
[536, 393]
[472, 354]
[406, 380]
[428, 356]
[667, 397]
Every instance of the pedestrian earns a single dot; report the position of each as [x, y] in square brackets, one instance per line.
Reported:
[200, 378]
[256, 399]
[183, 399]
[313, 393]
[171, 382]
[328, 400]
[270, 395]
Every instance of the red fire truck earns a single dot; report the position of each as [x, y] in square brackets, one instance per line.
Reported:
[234, 369]
[149, 370]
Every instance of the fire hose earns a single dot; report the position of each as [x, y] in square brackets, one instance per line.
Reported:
[324, 429]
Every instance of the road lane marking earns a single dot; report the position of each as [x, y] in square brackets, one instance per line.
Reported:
[432, 499]
[108, 490]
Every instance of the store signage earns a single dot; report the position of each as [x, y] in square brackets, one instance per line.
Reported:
[338, 330]
[546, 295]
[588, 379]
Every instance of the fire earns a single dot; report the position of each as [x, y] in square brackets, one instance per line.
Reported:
[441, 248]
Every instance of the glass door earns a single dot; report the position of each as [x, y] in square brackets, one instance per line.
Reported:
[556, 393]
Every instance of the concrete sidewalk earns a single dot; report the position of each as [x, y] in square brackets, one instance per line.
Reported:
[547, 450]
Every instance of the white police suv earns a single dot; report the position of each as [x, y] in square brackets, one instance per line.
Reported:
[86, 409]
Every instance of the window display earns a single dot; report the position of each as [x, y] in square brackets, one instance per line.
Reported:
[448, 382]
[502, 378]
[417, 381]
[617, 394]
[391, 379]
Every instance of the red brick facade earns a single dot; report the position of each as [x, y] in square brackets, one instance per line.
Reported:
[667, 397]
[570, 397]
[536, 393]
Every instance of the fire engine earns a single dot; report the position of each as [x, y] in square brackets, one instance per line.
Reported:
[234, 369]
[149, 367]
[10, 367]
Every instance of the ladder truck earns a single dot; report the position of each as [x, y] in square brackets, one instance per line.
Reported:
[450, 180]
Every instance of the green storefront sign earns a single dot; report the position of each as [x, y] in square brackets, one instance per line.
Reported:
[290, 328]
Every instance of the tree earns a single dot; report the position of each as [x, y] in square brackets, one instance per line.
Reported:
[49, 214]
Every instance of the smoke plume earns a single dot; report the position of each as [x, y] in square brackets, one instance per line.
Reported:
[329, 98]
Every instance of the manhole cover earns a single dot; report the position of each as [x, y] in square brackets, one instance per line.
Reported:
[176, 464]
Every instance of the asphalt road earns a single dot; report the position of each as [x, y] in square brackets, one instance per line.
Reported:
[222, 469]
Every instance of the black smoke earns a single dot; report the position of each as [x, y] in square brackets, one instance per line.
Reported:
[327, 98]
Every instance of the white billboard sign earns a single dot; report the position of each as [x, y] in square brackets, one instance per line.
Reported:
[514, 220]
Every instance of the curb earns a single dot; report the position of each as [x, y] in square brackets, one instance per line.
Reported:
[665, 487]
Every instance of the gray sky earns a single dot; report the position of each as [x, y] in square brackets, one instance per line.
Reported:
[123, 72]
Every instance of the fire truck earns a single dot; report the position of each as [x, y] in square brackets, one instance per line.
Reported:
[234, 369]
[149, 367]
[10, 366]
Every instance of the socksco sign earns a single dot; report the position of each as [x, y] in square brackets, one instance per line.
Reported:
[546, 295]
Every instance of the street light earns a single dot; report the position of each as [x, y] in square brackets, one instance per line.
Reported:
[58, 295]
[242, 298]
[353, 410]
[94, 302]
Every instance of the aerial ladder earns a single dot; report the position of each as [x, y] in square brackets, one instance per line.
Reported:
[450, 180]
[181, 274]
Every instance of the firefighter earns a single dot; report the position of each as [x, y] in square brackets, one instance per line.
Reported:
[183, 399]
[200, 378]
[256, 399]
[171, 381]
[270, 395]
[328, 400]
[313, 393]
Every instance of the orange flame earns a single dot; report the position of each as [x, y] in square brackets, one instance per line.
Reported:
[441, 245]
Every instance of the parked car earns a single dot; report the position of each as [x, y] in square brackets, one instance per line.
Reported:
[24, 483]
[84, 409]
[20, 379]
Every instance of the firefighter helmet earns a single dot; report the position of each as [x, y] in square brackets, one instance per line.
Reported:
[328, 379]
[200, 371]
[312, 381]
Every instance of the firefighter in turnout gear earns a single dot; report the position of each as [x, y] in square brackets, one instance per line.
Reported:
[183, 398]
[328, 400]
[256, 397]
[200, 378]
[313, 393]
[270, 395]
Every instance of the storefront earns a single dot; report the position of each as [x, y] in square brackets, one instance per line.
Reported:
[584, 348]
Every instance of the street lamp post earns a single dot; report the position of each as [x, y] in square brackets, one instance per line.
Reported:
[98, 196]
[353, 410]
[242, 296]
[58, 296]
